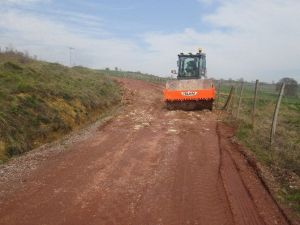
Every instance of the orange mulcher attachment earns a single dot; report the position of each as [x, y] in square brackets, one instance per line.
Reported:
[190, 94]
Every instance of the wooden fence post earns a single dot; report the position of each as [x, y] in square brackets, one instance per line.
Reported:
[228, 99]
[275, 115]
[254, 104]
[218, 94]
[240, 100]
[231, 103]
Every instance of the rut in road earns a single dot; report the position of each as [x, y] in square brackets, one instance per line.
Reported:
[146, 166]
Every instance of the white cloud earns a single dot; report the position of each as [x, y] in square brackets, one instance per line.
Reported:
[50, 40]
[249, 38]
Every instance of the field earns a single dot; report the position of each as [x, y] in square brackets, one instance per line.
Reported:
[283, 158]
[42, 101]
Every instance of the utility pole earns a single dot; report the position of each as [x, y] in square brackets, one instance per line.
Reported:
[70, 52]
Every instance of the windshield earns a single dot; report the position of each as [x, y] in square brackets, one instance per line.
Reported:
[191, 66]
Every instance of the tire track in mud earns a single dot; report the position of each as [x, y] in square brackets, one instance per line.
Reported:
[243, 209]
[260, 207]
[206, 196]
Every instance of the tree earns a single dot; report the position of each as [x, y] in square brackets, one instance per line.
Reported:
[291, 86]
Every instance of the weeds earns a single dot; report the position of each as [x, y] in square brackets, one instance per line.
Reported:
[284, 157]
[42, 101]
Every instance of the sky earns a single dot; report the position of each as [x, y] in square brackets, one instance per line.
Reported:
[249, 39]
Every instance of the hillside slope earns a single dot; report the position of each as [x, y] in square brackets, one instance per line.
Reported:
[42, 101]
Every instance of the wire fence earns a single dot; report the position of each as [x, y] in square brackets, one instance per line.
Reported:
[268, 122]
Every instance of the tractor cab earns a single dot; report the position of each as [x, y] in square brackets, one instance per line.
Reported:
[191, 66]
[191, 90]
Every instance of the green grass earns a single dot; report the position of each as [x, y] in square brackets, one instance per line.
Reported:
[294, 197]
[284, 156]
[42, 101]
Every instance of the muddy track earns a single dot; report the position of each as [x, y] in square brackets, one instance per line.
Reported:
[148, 165]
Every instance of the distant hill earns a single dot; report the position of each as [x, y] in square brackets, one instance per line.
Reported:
[136, 75]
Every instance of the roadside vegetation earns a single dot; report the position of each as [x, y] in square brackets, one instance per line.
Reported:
[41, 101]
[283, 158]
[134, 75]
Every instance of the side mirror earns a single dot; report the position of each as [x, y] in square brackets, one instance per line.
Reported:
[173, 71]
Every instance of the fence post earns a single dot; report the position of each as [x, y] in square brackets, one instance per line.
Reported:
[240, 100]
[275, 115]
[254, 104]
[228, 99]
[231, 103]
[218, 94]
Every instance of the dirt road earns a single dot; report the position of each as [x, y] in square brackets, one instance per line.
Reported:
[146, 166]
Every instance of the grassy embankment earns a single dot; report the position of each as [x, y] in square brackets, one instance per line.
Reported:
[41, 101]
[284, 157]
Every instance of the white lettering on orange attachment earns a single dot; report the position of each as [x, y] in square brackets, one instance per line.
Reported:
[189, 93]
